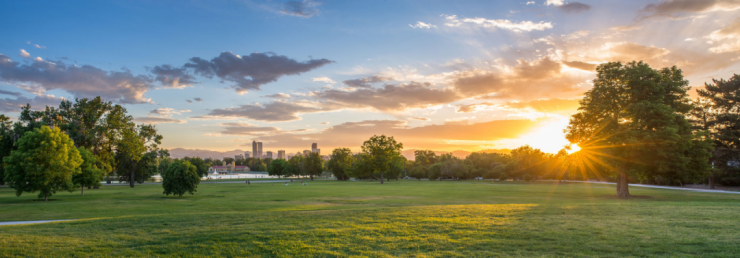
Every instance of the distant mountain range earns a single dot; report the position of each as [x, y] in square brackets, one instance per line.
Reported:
[409, 154]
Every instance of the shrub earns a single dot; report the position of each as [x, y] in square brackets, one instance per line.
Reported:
[180, 178]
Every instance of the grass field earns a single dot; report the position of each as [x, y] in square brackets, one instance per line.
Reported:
[401, 218]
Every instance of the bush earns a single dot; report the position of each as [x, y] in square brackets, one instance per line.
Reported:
[502, 177]
[527, 177]
[180, 178]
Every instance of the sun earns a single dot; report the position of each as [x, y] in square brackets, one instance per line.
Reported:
[549, 137]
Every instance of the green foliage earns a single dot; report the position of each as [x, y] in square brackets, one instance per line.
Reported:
[340, 163]
[418, 172]
[180, 178]
[277, 168]
[634, 119]
[425, 158]
[228, 160]
[137, 153]
[200, 165]
[45, 161]
[90, 175]
[717, 114]
[381, 151]
[313, 165]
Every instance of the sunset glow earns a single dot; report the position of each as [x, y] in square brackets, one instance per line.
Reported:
[447, 77]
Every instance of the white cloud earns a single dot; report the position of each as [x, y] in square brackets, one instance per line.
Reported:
[554, 2]
[453, 21]
[423, 25]
[38, 59]
[530, 2]
[34, 89]
[324, 79]
[727, 47]
[24, 54]
[37, 46]
[167, 112]
[689, 39]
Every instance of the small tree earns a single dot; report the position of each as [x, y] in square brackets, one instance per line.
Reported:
[45, 161]
[90, 174]
[313, 165]
[418, 172]
[180, 178]
[340, 163]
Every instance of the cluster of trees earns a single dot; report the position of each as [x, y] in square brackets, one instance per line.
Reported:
[75, 145]
[300, 165]
[380, 159]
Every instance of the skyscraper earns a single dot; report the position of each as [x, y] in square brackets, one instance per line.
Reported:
[259, 148]
[254, 149]
[281, 154]
[315, 148]
[268, 154]
[247, 154]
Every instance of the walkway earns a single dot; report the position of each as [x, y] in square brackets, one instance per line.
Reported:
[30, 222]
[666, 187]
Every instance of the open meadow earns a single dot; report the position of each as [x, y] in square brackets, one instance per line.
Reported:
[397, 219]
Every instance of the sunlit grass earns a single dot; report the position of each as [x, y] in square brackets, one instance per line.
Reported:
[404, 219]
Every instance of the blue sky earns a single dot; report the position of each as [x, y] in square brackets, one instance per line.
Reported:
[443, 75]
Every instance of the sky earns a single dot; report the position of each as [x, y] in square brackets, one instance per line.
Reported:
[440, 75]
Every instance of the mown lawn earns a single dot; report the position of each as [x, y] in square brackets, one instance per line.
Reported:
[401, 218]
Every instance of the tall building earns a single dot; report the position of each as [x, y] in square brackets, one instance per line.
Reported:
[306, 153]
[281, 154]
[259, 148]
[268, 154]
[315, 148]
[256, 149]
[247, 154]
[240, 156]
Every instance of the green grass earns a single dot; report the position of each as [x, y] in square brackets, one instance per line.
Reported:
[405, 219]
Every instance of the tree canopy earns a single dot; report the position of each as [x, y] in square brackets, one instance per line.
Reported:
[381, 151]
[634, 119]
[45, 161]
[180, 178]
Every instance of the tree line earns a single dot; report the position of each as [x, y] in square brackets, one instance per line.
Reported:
[75, 146]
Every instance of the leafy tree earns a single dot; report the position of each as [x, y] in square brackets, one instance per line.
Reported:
[137, 153]
[45, 161]
[277, 168]
[340, 163]
[418, 172]
[717, 114]
[180, 178]
[6, 143]
[425, 158]
[200, 165]
[381, 150]
[635, 119]
[362, 168]
[90, 175]
[228, 160]
[313, 165]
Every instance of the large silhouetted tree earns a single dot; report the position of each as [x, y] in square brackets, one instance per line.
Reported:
[634, 118]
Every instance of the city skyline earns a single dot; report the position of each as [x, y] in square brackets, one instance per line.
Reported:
[442, 76]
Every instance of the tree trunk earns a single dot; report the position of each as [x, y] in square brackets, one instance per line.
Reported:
[133, 175]
[623, 190]
[311, 177]
[381, 177]
[46, 197]
[711, 182]
[82, 189]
